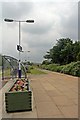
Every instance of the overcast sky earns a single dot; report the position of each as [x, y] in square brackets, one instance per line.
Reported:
[52, 20]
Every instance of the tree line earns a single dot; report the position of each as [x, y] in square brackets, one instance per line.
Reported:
[64, 52]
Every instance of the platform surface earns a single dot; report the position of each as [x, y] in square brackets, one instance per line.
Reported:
[55, 95]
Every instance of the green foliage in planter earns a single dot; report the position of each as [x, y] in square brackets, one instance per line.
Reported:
[20, 85]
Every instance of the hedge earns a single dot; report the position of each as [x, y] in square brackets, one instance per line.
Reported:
[72, 68]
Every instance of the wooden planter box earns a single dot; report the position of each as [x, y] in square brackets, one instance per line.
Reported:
[18, 101]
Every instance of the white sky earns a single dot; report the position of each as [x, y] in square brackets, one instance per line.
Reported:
[53, 20]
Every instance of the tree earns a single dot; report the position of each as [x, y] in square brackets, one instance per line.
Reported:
[76, 50]
[78, 56]
[64, 52]
[46, 62]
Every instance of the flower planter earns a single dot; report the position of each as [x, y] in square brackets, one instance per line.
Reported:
[18, 98]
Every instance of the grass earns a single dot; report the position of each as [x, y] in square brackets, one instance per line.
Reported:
[36, 71]
[0, 73]
[7, 72]
[33, 70]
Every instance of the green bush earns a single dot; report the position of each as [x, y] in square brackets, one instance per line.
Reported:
[59, 68]
[67, 68]
[31, 67]
[76, 69]
[52, 67]
[72, 69]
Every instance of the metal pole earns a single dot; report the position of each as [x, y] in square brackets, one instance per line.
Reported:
[19, 72]
[2, 68]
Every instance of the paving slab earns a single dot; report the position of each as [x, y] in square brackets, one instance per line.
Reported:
[62, 101]
[42, 97]
[69, 111]
[53, 93]
[46, 109]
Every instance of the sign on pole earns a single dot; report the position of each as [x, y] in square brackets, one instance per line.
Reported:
[19, 48]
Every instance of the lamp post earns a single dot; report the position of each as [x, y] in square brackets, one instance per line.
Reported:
[19, 48]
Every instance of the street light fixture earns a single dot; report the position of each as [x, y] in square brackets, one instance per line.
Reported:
[8, 20]
[19, 48]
